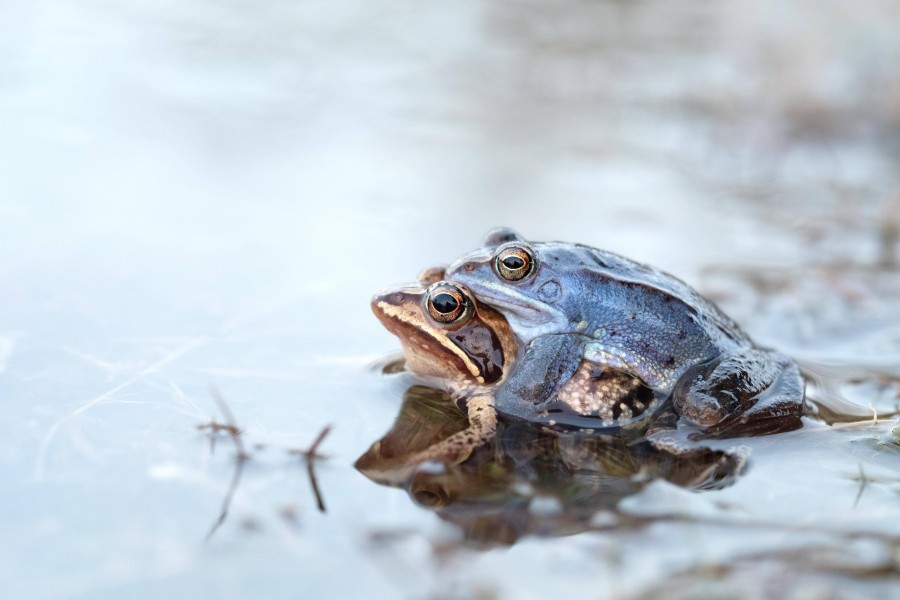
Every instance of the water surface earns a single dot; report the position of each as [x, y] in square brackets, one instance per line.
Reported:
[200, 194]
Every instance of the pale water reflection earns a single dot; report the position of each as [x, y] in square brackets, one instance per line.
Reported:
[532, 480]
[198, 193]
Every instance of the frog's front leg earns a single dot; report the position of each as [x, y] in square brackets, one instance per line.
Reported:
[458, 447]
[548, 363]
[746, 392]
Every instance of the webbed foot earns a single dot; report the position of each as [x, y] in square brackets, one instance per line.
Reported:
[744, 393]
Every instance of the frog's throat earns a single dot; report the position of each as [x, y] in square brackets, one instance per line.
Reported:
[411, 349]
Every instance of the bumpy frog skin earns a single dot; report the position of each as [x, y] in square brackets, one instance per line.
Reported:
[467, 350]
[569, 302]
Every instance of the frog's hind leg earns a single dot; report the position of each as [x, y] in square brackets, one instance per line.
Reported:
[744, 393]
[457, 448]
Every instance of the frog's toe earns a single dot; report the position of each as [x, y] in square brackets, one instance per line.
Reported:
[452, 451]
[773, 418]
[705, 409]
[432, 275]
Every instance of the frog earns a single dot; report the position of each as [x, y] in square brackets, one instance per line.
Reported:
[569, 304]
[467, 349]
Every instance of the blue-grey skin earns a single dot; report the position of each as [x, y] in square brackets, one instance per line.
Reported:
[580, 303]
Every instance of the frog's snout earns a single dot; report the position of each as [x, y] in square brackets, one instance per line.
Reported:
[383, 300]
[401, 303]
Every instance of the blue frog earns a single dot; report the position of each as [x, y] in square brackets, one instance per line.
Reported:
[570, 304]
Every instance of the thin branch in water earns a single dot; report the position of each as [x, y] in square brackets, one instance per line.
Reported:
[310, 455]
[214, 427]
[231, 428]
[230, 424]
[311, 451]
[310, 461]
[863, 480]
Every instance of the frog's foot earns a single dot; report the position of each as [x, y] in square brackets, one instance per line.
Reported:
[457, 448]
[699, 467]
[432, 275]
[748, 392]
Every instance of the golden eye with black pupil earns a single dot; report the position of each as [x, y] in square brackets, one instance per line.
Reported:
[446, 303]
[513, 263]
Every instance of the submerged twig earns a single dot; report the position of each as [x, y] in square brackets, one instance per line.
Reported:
[311, 451]
[863, 480]
[230, 427]
[310, 456]
[310, 461]
[214, 427]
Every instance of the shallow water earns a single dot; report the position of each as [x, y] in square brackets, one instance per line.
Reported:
[201, 194]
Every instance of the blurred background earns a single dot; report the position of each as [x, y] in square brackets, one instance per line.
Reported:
[204, 193]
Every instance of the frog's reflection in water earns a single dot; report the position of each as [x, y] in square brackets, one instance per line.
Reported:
[529, 480]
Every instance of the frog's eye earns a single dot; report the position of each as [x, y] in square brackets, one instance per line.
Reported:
[446, 303]
[513, 262]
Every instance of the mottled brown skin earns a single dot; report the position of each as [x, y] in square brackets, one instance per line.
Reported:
[462, 356]
[466, 359]
[611, 396]
[469, 357]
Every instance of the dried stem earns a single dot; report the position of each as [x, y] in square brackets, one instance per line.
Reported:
[310, 455]
[234, 432]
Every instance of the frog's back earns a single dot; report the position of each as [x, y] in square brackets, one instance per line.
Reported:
[639, 317]
[664, 294]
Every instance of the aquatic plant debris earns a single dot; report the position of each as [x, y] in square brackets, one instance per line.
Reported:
[310, 455]
[234, 432]
[863, 481]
